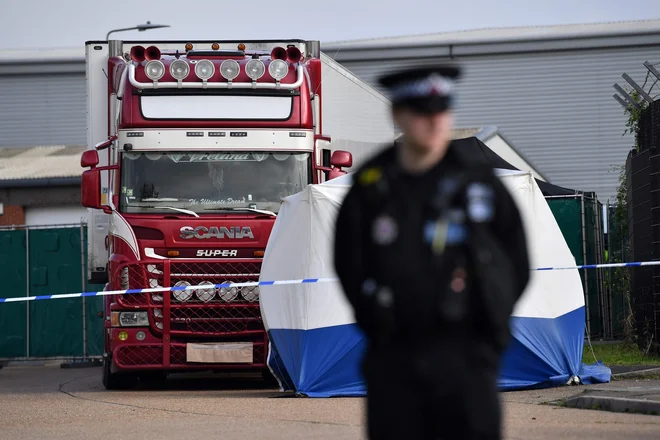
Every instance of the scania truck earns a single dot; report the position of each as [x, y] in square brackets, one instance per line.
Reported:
[191, 147]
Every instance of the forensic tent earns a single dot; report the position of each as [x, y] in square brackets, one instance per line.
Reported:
[316, 348]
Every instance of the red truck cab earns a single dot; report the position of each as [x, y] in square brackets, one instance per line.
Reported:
[199, 144]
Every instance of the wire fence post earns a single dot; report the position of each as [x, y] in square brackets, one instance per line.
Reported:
[584, 261]
[27, 290]
[82, 288]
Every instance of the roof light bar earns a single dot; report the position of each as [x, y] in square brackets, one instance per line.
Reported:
[215, 85]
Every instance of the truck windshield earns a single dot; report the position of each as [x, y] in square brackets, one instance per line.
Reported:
[202, 182]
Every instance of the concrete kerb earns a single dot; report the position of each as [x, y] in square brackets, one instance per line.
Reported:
[648, 371]
[614, 404]
[615, 400]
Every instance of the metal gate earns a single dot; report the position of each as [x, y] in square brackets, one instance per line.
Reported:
[44, 260]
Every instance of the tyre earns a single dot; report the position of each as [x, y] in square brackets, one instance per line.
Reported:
[117, 381]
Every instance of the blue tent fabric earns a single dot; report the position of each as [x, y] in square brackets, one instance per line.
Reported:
[277, 366]
[547, 352]
[323, 362]
[542, 353]
[595, 373]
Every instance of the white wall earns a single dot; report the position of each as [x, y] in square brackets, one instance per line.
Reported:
[55, 215]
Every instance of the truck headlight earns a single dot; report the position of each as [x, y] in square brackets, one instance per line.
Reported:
[179, 70]
[130, 319]
[278, 69]
[255, 69]
[155, 70]
[204, 69]
[229, 69]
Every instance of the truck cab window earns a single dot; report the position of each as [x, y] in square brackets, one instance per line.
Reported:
[199, 181]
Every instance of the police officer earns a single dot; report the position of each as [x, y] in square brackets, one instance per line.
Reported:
[431, 253]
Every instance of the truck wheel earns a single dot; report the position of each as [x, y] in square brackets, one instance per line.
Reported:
[115, 381]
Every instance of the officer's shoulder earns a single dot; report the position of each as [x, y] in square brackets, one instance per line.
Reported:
[372, 170]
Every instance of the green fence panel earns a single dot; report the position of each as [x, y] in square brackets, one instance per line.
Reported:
[13, 316]
[94, 305]
[568, 214]
[618, 254]
[95, 325]
[592, 275]
[56, 266]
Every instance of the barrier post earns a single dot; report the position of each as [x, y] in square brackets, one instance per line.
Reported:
[82, 289]
[27, 290]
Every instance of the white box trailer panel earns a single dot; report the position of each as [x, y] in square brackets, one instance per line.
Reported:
[355, 116]
[96, 66]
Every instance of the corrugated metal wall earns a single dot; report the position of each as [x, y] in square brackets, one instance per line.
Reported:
[554, 107]
[42, 109]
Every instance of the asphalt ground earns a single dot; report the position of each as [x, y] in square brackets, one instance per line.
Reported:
[49, 402]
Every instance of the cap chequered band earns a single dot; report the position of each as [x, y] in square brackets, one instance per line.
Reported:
[432, 85]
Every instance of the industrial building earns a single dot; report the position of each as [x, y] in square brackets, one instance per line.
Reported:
[542, 95]
[547, 89]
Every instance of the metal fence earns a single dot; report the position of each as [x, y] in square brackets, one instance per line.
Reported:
[579, 218]
[52, 259]
[40, 260]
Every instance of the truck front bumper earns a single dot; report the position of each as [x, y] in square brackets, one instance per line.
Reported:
[147, 352]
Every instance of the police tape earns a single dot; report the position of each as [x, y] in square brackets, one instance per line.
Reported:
[164, 289]
[276, 283]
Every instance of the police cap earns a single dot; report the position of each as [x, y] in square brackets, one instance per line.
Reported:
[422, 89]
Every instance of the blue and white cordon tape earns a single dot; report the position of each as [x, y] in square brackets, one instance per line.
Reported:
[271, 283]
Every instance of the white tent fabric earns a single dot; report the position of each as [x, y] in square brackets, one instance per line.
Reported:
[316, 347]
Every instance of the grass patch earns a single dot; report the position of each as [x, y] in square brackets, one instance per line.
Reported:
[618, 354]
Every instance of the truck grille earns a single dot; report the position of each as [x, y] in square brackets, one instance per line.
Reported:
[200, 312]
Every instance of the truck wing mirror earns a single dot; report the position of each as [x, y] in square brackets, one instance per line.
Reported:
[90, 194]
[341, 159]
[90, 158]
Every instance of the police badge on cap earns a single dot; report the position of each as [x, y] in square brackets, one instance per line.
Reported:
[423, 90]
